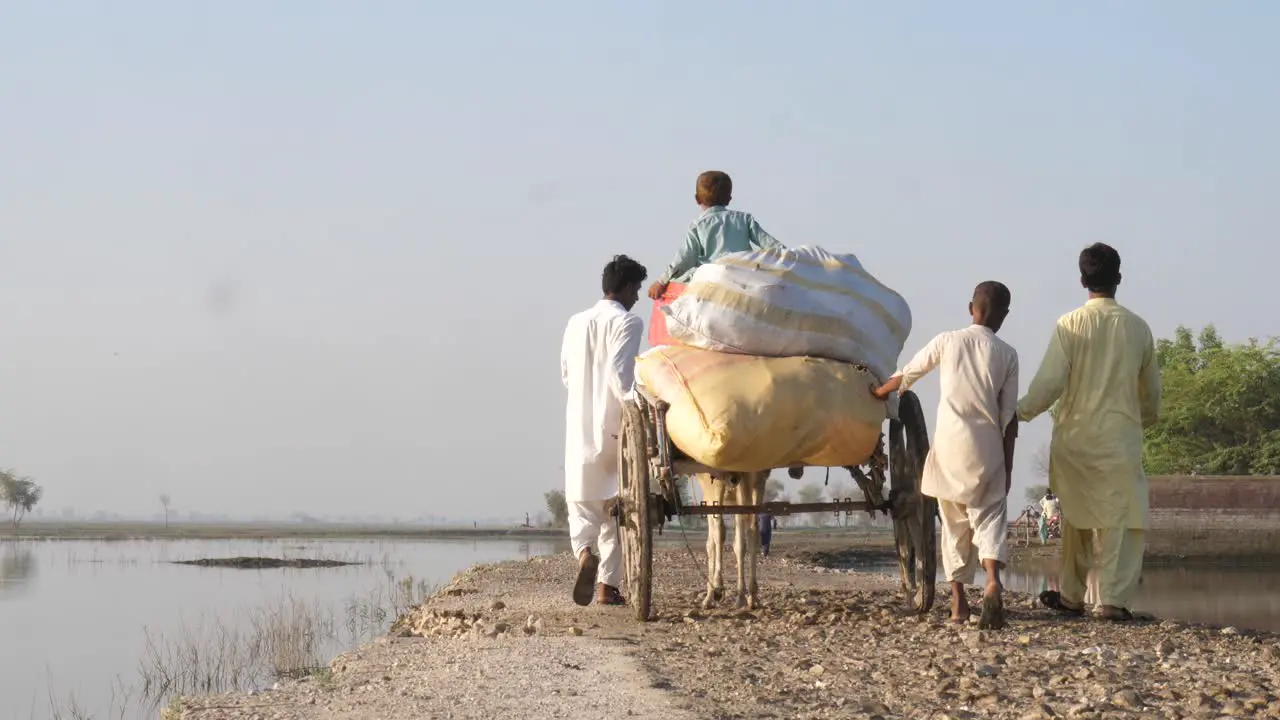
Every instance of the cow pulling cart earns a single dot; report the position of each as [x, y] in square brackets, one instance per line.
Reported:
[649, 464]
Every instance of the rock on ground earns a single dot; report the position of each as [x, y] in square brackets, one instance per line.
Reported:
[505, 640]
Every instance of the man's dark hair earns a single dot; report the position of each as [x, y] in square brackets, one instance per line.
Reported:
[714, 188]
[1100, 268]
[621, 273]
[992, 296]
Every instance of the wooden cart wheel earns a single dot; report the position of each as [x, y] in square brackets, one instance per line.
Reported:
[914, 515]
[634, 522]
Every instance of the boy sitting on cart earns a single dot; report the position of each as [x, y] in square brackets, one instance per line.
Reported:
[717, 231]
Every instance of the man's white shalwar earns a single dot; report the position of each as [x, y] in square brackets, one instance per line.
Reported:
[965, 469]
[597, 365]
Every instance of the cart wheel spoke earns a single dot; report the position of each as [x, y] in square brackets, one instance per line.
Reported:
[636, 528]
[914, 515]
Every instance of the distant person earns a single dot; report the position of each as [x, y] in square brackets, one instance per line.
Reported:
[597, 365]
[1100, 369]
[717, 231]
[1049, 509]
[969, 468]
[767, 524]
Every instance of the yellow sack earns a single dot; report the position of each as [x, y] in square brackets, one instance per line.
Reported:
[745, 413]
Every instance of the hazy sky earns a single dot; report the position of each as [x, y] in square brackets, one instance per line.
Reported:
[317, 256]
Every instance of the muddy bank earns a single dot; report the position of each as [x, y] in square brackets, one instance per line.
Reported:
[263, 563]
[504, 640]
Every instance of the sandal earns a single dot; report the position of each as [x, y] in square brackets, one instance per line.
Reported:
[1052, 599]
[585, 586]
[1115, 614]
[608, 595]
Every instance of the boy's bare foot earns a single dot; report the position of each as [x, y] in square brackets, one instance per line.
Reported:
[960, 609]
[992, 617]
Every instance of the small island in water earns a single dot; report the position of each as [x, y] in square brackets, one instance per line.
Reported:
[263, 563]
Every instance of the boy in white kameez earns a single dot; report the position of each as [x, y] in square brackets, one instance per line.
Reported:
[597, 364]
[969, 468]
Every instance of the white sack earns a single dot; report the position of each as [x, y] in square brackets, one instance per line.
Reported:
[801, 301]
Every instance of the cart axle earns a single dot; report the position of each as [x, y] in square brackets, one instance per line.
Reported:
[777, 508]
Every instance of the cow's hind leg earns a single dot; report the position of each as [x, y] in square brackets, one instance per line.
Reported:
[746, 540]
[711, 493]
[740, 550]
[755, 496]
[715, 567]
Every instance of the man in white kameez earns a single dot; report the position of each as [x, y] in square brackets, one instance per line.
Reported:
[1050, 508]
[1100, 370]
[597, 364]
[970, 463]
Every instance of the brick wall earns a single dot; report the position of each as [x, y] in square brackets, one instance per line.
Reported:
[1175, 496]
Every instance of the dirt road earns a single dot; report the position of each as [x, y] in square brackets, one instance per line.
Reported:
[504, 641]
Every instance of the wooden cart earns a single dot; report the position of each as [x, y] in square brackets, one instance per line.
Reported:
[649, 465]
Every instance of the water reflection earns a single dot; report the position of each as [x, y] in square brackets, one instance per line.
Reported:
[142, 600]
[17, 568]
[1246, 596]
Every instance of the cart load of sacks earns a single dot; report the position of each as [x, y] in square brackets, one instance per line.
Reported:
[766, 359]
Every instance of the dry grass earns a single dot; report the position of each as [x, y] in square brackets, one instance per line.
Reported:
[123, 704]
[287, 639]
[249, 649]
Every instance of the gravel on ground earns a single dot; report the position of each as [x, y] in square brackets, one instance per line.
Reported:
[505, 641]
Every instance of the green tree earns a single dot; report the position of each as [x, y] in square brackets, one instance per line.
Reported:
[811, 493]
[557, 508]
[1040, 463]
[1220, 411]
[774, 491]
[1036, 492]
[19, 494]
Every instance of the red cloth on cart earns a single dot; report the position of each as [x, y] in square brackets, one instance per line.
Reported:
[658, 322]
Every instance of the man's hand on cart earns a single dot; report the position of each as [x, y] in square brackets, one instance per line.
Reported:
[882, 392]
[656, 290]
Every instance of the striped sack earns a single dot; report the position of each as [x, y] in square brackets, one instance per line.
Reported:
[792, 302]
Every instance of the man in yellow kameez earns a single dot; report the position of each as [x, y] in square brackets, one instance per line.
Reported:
[1100, 370]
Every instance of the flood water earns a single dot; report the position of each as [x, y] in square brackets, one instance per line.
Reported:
[1246, 596]
[75, 616]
